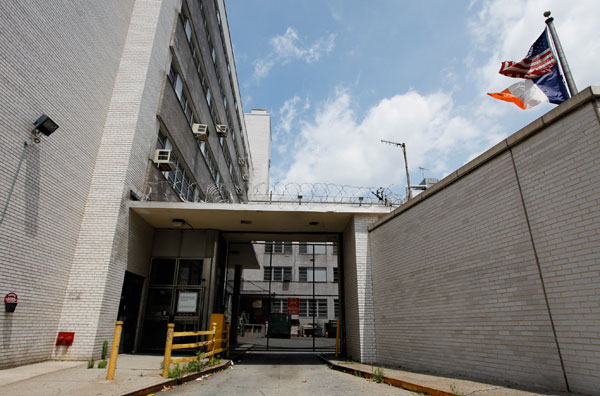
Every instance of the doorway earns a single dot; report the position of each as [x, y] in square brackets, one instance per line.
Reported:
[176, 294]
[129, 309]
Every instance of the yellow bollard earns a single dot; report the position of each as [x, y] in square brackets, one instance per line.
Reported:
[213, 345]
[114, 352]
[168, 345]
[337, 337]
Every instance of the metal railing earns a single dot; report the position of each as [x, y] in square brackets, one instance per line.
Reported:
[213, 345]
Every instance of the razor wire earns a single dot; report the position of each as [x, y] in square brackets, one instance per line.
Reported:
[301, 193]
[324, 193]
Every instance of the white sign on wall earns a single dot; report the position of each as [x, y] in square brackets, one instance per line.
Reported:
[187, 302]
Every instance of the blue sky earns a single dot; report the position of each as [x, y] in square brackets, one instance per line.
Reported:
[338, 76]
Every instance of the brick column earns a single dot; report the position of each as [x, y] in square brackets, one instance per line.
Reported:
[94, 288]
[358, 289]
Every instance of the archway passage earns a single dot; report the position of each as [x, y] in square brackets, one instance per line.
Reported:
[292, 300]
[232, 238]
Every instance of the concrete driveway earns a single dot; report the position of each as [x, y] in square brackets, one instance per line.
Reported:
[285, 374]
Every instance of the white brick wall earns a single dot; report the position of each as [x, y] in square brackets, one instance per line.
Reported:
[457, 289]
[559, 171]
[358, 290]
[60, 58]
[94, 288]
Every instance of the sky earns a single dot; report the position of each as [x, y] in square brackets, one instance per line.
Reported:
[337, 76]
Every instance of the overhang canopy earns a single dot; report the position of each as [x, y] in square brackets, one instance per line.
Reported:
[253, 221]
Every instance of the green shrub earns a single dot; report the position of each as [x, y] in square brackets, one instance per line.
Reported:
[102, 364]
[378, 374]
[91, 363]
[104, 349]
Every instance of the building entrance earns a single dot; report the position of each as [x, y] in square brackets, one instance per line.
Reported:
[176, 294]
[292, 301]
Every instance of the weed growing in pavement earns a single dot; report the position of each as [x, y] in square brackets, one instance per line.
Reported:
[102, 364]
[104, 349]
[91, 363]
[196, 365]
[377, 374]
[215, 361]
[175, 372]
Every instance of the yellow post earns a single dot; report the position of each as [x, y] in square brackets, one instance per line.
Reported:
[168, 345]
[114, 352]
[219, 320]
[337, 337]
[212, 347]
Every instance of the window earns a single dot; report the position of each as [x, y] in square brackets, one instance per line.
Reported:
[307, 308]
[211, 163]
[336, 308]
[306, 274]
[279, 274]
[336, 274]
[180, 180]
[187, 26]
[181, 92]
[335, 249]
[278, 247]
[307, 248]
[279, 305]
[176, 81]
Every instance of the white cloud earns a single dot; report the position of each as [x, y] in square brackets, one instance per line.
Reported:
[505, 29]
[289, 47]
[337, 147]
[287, 113]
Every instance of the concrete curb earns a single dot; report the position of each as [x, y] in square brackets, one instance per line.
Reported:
[190, 377]
[388, 380]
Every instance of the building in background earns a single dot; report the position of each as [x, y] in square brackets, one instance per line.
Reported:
[285, 280]
[259, 122]
[147, 101]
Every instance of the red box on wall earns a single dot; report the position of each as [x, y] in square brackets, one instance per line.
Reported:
[65, 338]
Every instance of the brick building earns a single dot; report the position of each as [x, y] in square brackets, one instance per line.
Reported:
[146, 97]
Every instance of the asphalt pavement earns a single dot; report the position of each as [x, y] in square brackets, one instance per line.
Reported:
[285, 374]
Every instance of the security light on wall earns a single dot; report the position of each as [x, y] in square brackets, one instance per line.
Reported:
[42, 126]
[45, 125]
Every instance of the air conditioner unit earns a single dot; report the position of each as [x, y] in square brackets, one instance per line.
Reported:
[162, 158]
[239, 190]
[222, 129]
[241, 161]
[200, 131]
[245, 177]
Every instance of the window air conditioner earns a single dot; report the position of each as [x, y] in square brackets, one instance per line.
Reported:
[222, 129]
[200, 131]
[241, 161]
[162, 158]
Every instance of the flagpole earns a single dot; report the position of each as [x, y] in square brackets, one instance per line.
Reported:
[561, 55]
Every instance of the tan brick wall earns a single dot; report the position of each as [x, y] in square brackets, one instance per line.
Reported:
[457, 289]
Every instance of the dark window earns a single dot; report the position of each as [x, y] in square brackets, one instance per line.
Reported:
[279, 274]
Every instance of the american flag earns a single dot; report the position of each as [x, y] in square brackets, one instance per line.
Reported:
[538, 62]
